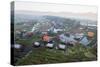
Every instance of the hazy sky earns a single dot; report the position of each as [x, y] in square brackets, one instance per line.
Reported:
[31, 6]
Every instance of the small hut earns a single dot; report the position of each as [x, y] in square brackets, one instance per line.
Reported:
[50, 45]
[17, 46]
[36, 44]
[62, 46]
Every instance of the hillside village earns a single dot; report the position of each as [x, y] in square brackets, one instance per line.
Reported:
[53, 37]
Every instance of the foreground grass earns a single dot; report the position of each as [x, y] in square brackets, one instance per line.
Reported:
[45, 55]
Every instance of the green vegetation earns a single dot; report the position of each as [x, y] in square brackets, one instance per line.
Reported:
[28, 41]
[44, 55]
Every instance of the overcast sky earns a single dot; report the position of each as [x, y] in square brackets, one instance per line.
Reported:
[45, 7]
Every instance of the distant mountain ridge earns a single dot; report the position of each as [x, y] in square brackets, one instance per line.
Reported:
[88, 15]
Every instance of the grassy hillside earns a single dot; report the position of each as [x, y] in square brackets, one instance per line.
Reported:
[45, 55]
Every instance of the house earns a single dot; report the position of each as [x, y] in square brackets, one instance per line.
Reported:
[90, 34]
[18, 32]
[44, 32]
[55, 30]
[84, 41]
[29, 34]
[50, 45]
[46, 38]
[36, 44]
[67, 39]
[17, 46]
[61, 46]
[78, 36]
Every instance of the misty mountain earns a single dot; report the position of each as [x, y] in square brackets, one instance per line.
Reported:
[82, 16]
[43, 20]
